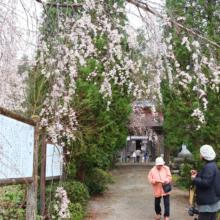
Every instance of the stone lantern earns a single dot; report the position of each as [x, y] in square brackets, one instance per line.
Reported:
[185, 153]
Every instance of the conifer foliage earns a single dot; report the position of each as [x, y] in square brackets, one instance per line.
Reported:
[84, 58]
[180, 103]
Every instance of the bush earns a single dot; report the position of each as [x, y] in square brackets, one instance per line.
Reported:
[97, 181]
[77, 192]
[185, 181]
[10, 195]
[182, 184]
[77, 211]
[175, 177]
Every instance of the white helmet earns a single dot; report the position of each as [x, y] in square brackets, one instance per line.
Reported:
[207, 152]
[159, 161]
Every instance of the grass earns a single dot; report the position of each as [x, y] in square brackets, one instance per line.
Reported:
[182, 184]
[175, 177]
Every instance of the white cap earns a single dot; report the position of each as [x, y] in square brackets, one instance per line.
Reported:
[159, 161]
[207, 152]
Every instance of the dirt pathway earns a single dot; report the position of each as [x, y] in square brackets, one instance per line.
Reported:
[131, 197]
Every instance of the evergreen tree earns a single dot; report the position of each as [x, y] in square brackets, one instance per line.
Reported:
[180, 126]
[99, 83]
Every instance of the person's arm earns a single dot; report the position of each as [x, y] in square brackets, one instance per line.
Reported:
[206, 178]
[168, 177]
[193, 174]
[150, 178]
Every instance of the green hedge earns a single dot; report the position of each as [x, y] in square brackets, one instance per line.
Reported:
[97, 181]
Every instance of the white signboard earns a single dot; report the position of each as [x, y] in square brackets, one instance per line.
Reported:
[54, 162]
[16, 148]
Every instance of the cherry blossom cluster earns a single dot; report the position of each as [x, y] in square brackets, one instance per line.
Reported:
[160, 51]
[62, 203]
[200, 115]
[181, 18]
[139, 119]
[60, 63]
[74, 42]
[11, 41]
[200, 79]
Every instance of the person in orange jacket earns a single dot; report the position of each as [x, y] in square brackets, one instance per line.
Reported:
[158, 176]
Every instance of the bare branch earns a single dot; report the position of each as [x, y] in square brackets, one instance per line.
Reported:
[191, 31]
[145, 7]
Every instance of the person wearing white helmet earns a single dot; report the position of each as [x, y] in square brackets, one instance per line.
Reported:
[159, 176]
[207, 183]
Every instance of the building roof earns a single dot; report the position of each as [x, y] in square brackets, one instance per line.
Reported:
[147, 120]
[151, 121]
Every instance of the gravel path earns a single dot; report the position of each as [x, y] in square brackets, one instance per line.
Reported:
[131, 197]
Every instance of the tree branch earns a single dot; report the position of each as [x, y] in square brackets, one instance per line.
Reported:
[145, 7]
[76, 5]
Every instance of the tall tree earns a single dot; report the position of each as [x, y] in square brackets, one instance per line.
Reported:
[85, 58]
[180, 102]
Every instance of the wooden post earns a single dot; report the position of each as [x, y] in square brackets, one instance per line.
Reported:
[31, 212]
[43, 174]
[129, 144]
[125, 154]
[16, 116]
[17, 181]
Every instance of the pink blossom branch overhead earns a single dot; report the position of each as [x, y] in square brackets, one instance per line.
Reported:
[145, 7]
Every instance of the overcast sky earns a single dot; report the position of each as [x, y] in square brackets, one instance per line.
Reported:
[31, 24]
[135, 21]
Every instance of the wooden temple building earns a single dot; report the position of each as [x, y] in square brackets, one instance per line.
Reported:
[146, 133]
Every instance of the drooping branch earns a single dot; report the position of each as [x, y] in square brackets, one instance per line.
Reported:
[145, 7]
[76, 5]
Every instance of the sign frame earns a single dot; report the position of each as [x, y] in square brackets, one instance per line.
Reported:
[32, 182]
[43, 172]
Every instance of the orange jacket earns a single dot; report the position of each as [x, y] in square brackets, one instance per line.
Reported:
[154, 176]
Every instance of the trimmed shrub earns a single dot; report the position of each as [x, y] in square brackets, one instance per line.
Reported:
[77, 211]
[97, 181]
[77, 192]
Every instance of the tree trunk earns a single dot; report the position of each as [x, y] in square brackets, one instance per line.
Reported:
[112, 165]
[159, 145]
[80, 174]
[166, 155]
